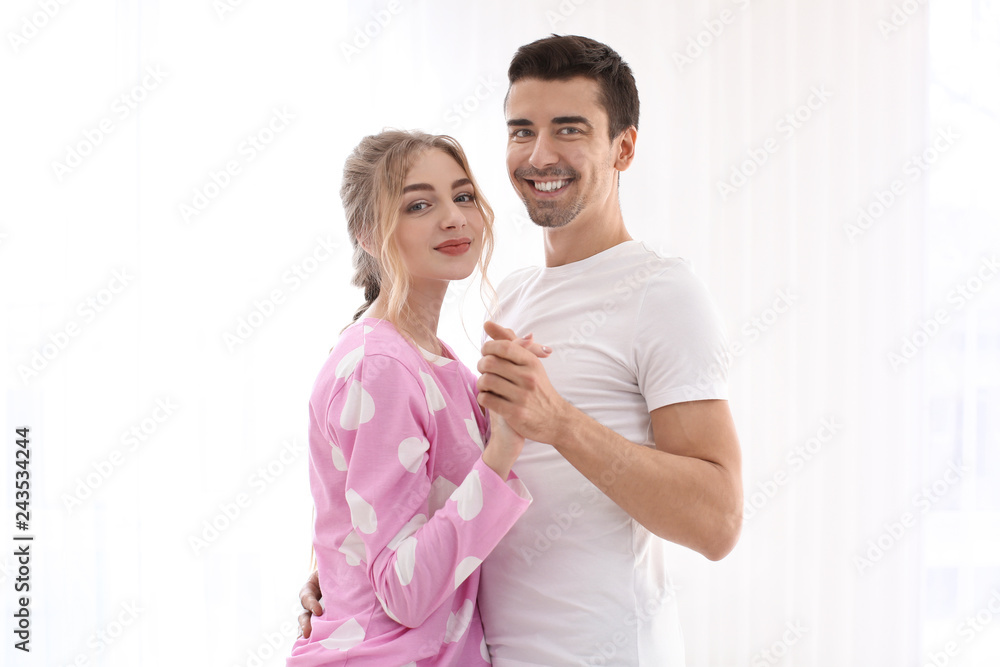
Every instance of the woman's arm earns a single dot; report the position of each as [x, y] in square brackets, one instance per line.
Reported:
[455, 539]
[414, 557]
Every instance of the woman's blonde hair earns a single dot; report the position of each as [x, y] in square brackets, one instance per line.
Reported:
[371, 191]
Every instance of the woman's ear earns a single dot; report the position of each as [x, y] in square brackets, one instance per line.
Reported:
[366, 245]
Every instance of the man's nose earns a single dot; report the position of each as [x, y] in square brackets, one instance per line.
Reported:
[543, 153]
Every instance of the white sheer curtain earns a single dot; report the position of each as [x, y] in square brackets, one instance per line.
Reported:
[214, 195]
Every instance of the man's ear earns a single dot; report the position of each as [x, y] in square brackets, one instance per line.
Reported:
[624, 147]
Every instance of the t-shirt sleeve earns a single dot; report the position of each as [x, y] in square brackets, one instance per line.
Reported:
[680, 347]
[382, 426]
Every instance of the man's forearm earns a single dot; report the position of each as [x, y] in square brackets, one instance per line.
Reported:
[690, 501]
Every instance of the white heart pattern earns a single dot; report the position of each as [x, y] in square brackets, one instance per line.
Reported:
[362, 514]
[385, 608]
[347, 363]
[358, 409]
[339, 462]
[435, 399]
[473, 427]
[410, 528]
[347, 636]
[459, 623]
[441, 490]
[469, 496]
[411, 452]
[465, 568]
[406, 559]
[353, 548]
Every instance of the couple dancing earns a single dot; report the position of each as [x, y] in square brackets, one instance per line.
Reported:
[431, 550]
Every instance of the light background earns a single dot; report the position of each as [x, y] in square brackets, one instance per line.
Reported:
[828, 545]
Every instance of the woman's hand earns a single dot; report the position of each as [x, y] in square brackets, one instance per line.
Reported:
[309, 596]
[505, 444]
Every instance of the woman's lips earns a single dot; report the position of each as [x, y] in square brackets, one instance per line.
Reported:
[455, 246]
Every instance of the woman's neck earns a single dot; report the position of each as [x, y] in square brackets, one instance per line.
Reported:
[420, 318]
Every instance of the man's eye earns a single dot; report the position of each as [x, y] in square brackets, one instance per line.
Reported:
[569, 130]
[521, 134]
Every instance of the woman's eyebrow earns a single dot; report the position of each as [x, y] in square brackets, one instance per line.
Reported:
[427, 186]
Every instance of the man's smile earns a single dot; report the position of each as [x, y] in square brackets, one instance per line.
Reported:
[549, 186]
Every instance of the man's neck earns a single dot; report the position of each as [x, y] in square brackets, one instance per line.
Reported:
[572, 243]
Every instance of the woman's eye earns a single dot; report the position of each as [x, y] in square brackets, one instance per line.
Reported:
[417, 206]
[465, 197]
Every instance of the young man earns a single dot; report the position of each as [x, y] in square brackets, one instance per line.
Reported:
[630, 437]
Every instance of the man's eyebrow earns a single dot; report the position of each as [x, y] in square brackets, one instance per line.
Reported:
[572, 120]
[558, 120]
[427, 186]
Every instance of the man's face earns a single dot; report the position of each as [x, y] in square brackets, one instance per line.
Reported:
[559, 157]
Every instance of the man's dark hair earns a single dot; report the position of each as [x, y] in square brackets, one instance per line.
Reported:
[558, 58]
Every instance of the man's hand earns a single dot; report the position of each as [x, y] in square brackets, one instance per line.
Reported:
[309, 596]
[505, 443]
[513, 384]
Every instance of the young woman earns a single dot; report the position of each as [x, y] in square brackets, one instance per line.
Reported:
[413, 489]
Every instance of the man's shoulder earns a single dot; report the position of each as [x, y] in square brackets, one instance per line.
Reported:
[656, 260]
[669, 274]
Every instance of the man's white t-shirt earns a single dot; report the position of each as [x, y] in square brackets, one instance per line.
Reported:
[577, 581]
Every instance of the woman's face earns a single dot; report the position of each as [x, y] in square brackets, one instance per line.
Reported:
[440, 231]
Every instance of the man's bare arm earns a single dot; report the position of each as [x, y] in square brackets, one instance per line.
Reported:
[688, 489]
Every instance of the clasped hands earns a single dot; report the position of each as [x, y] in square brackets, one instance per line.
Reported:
[514, 386]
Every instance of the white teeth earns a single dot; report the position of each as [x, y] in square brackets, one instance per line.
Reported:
[550, 186]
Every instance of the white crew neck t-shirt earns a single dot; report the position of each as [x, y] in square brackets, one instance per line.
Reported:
[577, 581]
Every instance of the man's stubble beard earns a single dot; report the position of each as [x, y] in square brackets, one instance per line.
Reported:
[553, 217]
